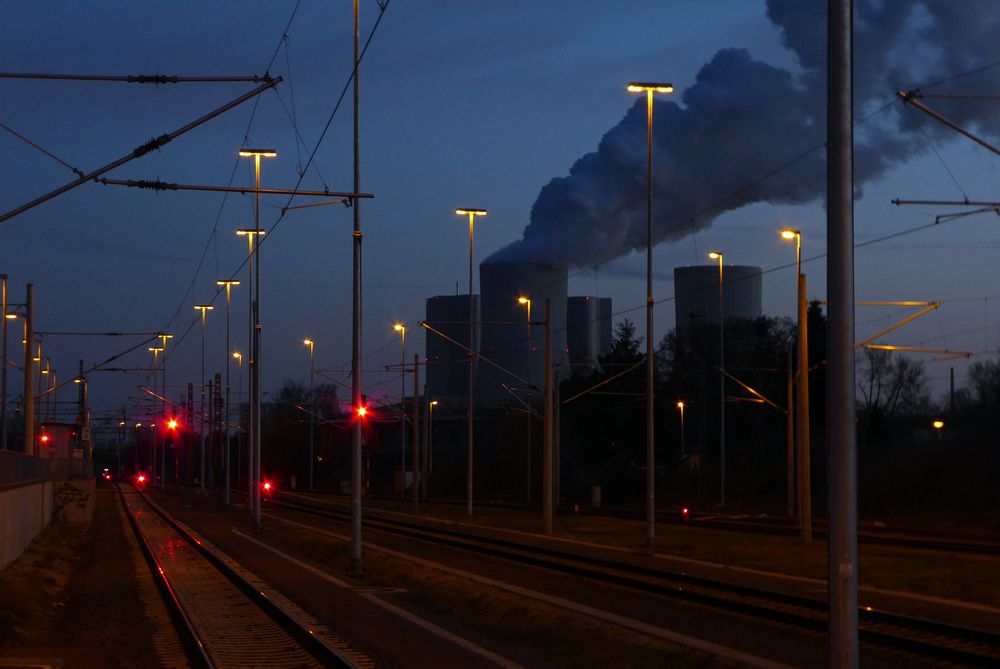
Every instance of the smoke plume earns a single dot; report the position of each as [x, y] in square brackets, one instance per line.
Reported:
[744, 118]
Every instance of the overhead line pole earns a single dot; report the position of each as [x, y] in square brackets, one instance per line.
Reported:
[356, 567]
[842, 546]
[138, 152]
[140, 78]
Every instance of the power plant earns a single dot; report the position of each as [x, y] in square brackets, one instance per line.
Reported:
[696, 294]
[505, 337]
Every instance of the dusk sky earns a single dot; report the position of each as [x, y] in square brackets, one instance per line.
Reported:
[476, 104]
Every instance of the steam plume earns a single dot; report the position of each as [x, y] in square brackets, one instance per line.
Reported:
[743, 117]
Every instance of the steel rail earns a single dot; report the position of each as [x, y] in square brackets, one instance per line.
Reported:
[749, 600]
[316, 647]
[192, 642]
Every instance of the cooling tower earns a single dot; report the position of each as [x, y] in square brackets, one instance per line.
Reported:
[696, 293]
[507, 338]
[588, 332]
[448, 364]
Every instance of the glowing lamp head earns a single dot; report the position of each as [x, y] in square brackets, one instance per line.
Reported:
[10, 316]
[646, 86]
[399, 327]
[715, 255]
[434, 403]
[308, 342]
[680, 404]
[263, 153]
[523, 300]
[465, 211]
[237, 355]
[789, 234]
[938, 424]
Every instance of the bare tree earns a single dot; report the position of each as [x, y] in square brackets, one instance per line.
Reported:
[892, 384]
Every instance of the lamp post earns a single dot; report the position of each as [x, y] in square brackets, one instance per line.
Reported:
[680, 407]
[430, 439]
[401, 329]
[649, 88]
[805, 468]
[163, 410]
[204, 309]
[228, 283]
[252, 235]
[155, 350]
[526, 301]
[312, 406]
[471, 213]
[239, 404]
[257, 154]
[84, 412]
[717, 255]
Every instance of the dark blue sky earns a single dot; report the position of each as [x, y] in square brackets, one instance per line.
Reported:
[478, 104]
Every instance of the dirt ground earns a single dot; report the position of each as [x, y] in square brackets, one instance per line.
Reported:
[75, 594]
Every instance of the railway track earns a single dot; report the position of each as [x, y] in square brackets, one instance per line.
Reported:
[925, 638]
[222, 618]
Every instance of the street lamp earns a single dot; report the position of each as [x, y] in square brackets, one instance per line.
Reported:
[312, 406]
[257, 154]
[239, 404]
[471, 213]
[717, 255]
[401, 329]
[680, 407]
[526, 301]
[430, 437]
[155, 350]
[252, 234]
[84, 412]
[228, 283]
[649, 88]
[204, 309]
[163, 408]
[805, 468]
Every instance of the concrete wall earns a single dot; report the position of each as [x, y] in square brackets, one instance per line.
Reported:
[25, 510]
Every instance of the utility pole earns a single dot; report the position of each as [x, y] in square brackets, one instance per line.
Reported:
[547, 466]
[805, 466]
[416, 434]
[3, 373]
[357, 567]
[842, 546]
[790, 477]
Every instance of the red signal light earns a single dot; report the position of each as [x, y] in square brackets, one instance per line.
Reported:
[172, 424]
[267, 485]
[142, 478]
[44, 438]
[362, 412]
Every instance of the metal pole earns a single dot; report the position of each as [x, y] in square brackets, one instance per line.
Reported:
[225, 422]
[683, 453]
[547, 466]
[357, 567]
[722, 392]
[402, 416]
[472, 367]
[163, 416]
[650, 347]
[312, 412]
[201, 421]
[805, 468]
[255, 358]
[529, 418]
[251, 499]
[416, 434]
[30, 447]
[790, 478]
[842, 556]
[3, 372]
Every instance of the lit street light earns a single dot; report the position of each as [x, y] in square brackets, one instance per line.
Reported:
[680, 407]
[228, 283]
[239, 404]
[312, 406]
[257, 154]
[203, 308]
[526, 301]
[717, 255]
[805, 468]
[401, 329]
[471, 213]
[649, 88]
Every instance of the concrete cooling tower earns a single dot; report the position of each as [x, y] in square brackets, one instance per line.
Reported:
[588, 332]
[505, 330]
[447, 364]
[696, 293]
